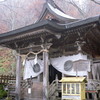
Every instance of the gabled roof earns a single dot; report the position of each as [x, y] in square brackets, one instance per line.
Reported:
[53, 26]
[87, 30]
[73, 79]
[51, 8]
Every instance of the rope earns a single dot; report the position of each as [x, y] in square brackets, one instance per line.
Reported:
[44, 50]
[34, 53]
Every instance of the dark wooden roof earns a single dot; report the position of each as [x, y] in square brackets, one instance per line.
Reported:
[51, 2]
[50, 8]
[62, 37]
[31, 30]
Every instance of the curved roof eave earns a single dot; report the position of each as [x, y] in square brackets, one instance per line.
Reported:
[79, 23]
[54, 26]
[42, 13]
[56, 12]
[42, 24]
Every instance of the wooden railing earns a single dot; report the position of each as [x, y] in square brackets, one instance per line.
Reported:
[54, 89]
[24, 85]
[5, 78]
[92, 86]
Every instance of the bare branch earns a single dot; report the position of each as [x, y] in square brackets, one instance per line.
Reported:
[76, 6]
[96, 2]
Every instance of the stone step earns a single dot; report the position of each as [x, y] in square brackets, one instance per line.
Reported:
[37, 99]
[32, 99]
[36, 91]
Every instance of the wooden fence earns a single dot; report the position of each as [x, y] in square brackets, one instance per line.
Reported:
[5, 78]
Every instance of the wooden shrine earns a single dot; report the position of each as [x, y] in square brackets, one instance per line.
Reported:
[73, 88]
[54, 34]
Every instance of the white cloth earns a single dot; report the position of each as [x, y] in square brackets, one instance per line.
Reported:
[96, 71]
[28, 70]
[58, 63]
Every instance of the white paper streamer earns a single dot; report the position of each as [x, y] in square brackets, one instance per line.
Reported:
[35, 60]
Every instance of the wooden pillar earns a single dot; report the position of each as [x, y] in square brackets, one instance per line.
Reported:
[18, 77]
[45, 76]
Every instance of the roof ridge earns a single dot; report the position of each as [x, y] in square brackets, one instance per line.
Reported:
[51, 2]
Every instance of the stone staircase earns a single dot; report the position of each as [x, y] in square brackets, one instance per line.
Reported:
[54, 90]
[36, 92]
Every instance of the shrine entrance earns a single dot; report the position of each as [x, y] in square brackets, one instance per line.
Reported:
[53, 74]
[51, 39]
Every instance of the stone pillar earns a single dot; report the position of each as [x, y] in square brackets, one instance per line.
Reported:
[18, 77]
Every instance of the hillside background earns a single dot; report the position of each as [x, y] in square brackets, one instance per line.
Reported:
[19, 13]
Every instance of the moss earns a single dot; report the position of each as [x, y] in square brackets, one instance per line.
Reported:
[1, 87]
[3, 93]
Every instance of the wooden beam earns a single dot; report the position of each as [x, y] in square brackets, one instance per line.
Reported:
[45, 76]
[27, 36]
[18, 77]
[34, 48]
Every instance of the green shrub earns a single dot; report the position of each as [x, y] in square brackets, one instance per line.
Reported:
[3, 93]
[8, 98]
